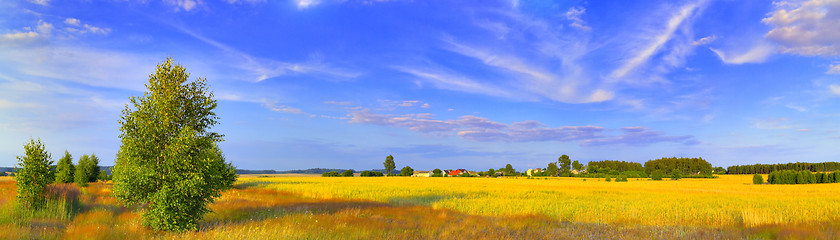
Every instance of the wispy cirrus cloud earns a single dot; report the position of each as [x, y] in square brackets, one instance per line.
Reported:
[262, 68]
[757, 54]
[659, 43]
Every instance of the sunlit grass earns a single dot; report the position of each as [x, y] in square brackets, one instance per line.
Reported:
[461, 208]
[725, 201]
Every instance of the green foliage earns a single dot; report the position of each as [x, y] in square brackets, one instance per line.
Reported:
[2, 174]
[406, 171]
[719, 170]
[465, 174]
[801, 177]
[64, 170]
[348, 173]
[389, 164]
[565, 165]
[331, 174]
[607, 179]
[509, 171]
[437, 173]
[104, 176]
[371, 174]
[33, 176]
[657, 175]
[609, 165]
[87, 170]
[490, 173]
[621, 178]
[758, 179]
[552, 169]
[577, 166]
[676, 174]
[798, 166]
[686, 166]
[169, 159]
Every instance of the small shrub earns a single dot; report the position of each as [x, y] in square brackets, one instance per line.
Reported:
[348, 173]
[657, 175]
[757, 179]
[607, 179]
[330, 174]
[676, 175]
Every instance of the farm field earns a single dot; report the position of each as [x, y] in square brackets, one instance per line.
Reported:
[298, 207]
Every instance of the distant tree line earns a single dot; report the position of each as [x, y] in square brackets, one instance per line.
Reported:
[800, 177]
[768, 168]
[306, 171]
[686, 166]
[607, 166]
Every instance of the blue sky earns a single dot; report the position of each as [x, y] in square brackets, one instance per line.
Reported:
[437, 84]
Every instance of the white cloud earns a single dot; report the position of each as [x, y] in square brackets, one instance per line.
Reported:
[262, 69]
[186, 5]
[806, 28]
[636, 136]
[93, 67]
[658, 42]
[705, 40]
[285, 109]
[757, 54]
[72, 21]
[835, 89]
[574, 15]
[303, 4]
[248, 1]
[796, 107]
[443, 79]
[531, 80]
[41, 2]
[483, 129]
[833, 69]
[772, 123]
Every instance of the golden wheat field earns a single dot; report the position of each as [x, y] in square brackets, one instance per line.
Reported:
[303, 207]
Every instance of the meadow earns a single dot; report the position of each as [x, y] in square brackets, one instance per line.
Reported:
[305, 207]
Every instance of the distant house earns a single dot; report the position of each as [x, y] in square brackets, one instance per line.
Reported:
[422, 174]
[455, 172]
[532, 171]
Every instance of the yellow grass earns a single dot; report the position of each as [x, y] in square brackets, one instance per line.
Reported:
[725, 201]
[463, 208]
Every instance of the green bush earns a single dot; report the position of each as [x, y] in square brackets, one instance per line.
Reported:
[657, 175]
[371, 174]
[758, 179]
[347, 173]
[33, 176]
[330, 174]
[607, 179]
[406, 171]
[676, 174]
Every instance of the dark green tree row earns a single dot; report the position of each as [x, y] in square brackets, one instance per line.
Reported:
[686, 166]
[346, 173]
[372, 174]
[768, 168]
[802, 177]
[612, 165]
